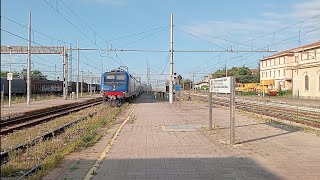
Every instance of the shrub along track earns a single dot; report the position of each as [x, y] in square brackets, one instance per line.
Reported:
[306, 116]
[45, 154]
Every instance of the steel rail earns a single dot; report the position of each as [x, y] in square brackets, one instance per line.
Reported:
[16, 123]
[302, 117]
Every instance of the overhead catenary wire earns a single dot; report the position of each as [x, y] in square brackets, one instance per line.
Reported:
[25, 26]
[131, 35]
[142, 38]
[252, 53]
[286, 27]
[83, 22]
[216, 37]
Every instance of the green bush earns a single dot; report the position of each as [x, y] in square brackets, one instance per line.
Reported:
[250, 93]
[285, 93]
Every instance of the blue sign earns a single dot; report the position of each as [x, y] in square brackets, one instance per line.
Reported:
[177, 87]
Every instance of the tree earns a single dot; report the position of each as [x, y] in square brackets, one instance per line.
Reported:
[219, 73]
[36, 74]
[245, 75]
[14, 74]
[242, 74]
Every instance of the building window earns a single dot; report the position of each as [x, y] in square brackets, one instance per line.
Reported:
[307, 55]
[269, 62]
[279, 61]
[284, 72]
[269, 73]
[296, 59]
[315, 53]
[278, 73]
[274, 73]
[306, 82]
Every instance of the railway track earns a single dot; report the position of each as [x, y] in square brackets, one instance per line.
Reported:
[40, 117]
[301, 115]
[11, 124]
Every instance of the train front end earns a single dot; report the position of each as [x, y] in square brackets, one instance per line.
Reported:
[114, 87]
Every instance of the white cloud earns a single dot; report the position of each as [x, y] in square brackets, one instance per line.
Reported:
[268, 22]
[299, 10]
[311, 5]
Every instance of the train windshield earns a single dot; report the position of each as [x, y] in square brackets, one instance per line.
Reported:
[114, 79]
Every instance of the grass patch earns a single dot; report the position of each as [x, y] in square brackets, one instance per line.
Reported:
[49, 153]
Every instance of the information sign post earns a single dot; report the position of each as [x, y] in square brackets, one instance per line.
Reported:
[224, 85]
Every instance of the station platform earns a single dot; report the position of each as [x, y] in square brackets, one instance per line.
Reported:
[163, 141]
[21, 108]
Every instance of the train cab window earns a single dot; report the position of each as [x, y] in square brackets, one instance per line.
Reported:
[114, 79]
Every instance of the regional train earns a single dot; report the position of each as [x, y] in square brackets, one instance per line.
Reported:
[118, 86]
[38, 86]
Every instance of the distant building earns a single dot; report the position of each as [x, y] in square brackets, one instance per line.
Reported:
[201, 85]
[254, 71]
[296, 69]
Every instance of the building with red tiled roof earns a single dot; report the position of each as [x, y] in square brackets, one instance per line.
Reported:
[296, 69]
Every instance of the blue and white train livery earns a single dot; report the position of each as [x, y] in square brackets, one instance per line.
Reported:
[118, 86]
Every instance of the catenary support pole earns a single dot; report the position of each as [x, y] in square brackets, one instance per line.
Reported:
[78, 67]
[65, 73]
[2, 95]
[210, 110]
[232, 111]
[29, 62]
[91, 82]
[10, 80]
[193, 87]
[171, 63]
[81, 84]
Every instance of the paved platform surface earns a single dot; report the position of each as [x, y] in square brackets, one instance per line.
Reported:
[165, 142]
[20, 108]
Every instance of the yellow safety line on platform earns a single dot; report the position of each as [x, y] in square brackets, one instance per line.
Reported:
[103, 154]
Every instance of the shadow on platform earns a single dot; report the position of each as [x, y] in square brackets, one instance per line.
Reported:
[183, 168]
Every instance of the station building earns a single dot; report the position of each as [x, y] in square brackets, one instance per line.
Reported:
[296, 69]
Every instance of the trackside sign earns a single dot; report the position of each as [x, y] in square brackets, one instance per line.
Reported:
[220, 85]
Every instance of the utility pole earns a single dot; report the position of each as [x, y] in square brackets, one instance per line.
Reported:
[171, 63]
[29, 61]
[78, 67]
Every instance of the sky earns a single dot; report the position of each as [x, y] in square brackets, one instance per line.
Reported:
[145, 25]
